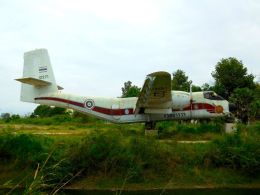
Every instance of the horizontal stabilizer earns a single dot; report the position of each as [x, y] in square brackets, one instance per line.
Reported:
[34, 81]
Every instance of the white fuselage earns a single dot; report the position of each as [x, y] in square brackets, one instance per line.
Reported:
[121, 110]
[156, 101]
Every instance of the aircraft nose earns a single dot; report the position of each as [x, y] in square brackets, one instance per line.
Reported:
[232, 107]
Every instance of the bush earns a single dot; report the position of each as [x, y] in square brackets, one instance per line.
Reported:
[254, 129]
[236, 152]
[113, 154]
[26, 149]
[54, 120]
[166, 129]
[170, 128]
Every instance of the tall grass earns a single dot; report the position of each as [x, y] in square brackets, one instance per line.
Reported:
[45, 161]
[239, 151]
[172, 128]
[128, 154]
[25, 149]
[112, 154]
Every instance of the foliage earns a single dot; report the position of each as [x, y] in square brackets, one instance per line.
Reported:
[236, 152]
[22, 148]
[81, 118]
[243, 99]
[207, 87]
[131, 157]
[130, 90]
[180, 81]
[171, 129]
[110, 153]
[5, 116]
[54, 120]
[48, 111]
[196, 88]
[255, 109]
[29, 151]
[254, 129]
[255, 105]
[230, 74]
[75, 118]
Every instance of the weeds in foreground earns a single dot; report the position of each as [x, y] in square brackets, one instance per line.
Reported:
[236, 152]
[167, 129]
[127, 155]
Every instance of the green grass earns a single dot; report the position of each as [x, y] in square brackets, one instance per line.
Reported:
[168, 129]
[105, 155]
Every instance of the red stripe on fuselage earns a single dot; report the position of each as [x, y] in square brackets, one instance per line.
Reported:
[117, 112]
[199, 106]
[61, 100]
[108, 111]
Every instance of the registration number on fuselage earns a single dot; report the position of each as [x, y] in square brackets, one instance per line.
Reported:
[175, 115]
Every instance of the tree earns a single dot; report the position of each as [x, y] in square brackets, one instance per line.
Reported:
[255, 106]
[130, 91]
[230, 74]
[15, 117]
[57, 111]
[243, 99]
[48, 111]
[196, 88]
[180, 81]
[42, 111]
[5, 116]
[207, 87]
[255, 109]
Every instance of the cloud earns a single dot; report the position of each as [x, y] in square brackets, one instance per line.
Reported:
[95, 46]
[131, 12]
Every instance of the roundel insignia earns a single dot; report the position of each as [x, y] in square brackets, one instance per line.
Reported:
[126, 111]
[89, 104]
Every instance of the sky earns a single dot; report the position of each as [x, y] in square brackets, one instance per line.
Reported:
[96, 46]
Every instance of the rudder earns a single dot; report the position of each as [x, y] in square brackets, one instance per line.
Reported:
[38, 78]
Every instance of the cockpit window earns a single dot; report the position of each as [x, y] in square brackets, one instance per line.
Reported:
[212, 95]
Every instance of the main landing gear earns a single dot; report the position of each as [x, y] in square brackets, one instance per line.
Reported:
[150, 129]
[150, 125]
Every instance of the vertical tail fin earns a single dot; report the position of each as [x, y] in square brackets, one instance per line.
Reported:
[38, 78]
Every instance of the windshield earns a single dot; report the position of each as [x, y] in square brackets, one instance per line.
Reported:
[212, 95]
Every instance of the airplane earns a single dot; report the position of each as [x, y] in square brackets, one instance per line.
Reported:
[156, 102]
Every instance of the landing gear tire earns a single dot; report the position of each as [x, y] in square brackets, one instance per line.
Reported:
[149, 125]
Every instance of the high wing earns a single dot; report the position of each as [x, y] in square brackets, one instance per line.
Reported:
[155, 96]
